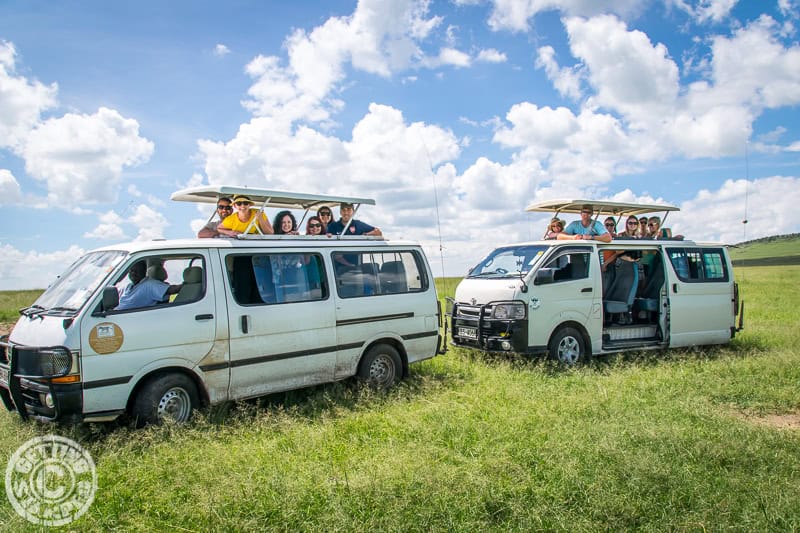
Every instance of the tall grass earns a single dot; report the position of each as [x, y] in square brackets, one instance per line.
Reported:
[654, 441]
[12, 301]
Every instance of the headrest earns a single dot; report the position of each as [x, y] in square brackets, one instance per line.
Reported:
[156, 272]
[193, 275]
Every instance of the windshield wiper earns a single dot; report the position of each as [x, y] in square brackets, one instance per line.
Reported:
[31, 310]
[60, 309]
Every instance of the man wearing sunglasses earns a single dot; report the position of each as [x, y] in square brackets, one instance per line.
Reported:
[585, 229]
[224, 208]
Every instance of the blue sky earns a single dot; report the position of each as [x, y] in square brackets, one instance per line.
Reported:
[108, 107]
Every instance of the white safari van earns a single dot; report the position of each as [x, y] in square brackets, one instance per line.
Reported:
[253, 315]
[573, 299]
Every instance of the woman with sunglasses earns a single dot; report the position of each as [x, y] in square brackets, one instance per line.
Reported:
[314, 226]
[238, 222]
[631, 229]
[611, 226]
[224, 208]
[325, 216]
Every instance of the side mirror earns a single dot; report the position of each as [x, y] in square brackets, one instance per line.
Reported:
[544, 276]
[110, 298]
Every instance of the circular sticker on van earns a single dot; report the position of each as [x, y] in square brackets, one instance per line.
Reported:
[106, 338]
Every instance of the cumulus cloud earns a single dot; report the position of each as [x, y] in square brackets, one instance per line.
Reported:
[9, 188]
[108, 229]
[40, 269]
[221, 50]
[567, 81]
[515, 15]
[150, 223]
[22, 101]
[80, 157]
[380, 38]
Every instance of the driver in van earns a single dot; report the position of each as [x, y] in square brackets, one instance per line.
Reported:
[585, 228]
[144, 291]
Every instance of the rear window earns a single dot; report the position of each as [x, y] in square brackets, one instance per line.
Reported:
[376, 273]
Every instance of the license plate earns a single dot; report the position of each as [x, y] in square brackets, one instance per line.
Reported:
[3, 377]
[470, 333]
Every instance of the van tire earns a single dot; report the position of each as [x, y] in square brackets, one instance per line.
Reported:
[381, 367]
[567, 346]
[171, 396]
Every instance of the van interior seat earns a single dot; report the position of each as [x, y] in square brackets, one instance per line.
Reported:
[192, 287]
[393, 277]
[623, 289]
[156, 272]
[649, 296]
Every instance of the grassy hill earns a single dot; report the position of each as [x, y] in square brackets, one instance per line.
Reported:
[774, 250]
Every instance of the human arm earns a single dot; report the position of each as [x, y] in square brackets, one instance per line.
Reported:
[375, 232]
[264, 225]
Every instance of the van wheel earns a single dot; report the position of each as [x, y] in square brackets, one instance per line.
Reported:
[567, 346]
[171, 396]
[380, 367]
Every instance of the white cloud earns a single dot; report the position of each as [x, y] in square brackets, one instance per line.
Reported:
[21, 101]
[490, 55]
[514, 15]
[380, 37]
[221, 50]
[567, 81]
[447, 56]
[20, 270]
[149, 222]
[706, 10]
[108, 229]
[9, 188]
[81, 157]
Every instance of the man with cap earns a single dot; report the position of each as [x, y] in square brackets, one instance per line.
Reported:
[585, 228]
[237, 223]
[356, 227]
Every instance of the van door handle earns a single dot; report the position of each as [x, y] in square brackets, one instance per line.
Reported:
[203, 317]
[675, 287]
[586, 289]
[244, 323]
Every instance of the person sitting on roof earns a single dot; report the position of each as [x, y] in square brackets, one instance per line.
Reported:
[556, 226]
[224, 208]
[585, 228]
[657, 232]
[238, 222]
[356, 227]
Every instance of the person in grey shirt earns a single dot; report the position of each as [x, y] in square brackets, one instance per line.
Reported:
[224, 208]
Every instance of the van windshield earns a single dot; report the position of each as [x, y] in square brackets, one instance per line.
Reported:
[74, 287]
[508, 262]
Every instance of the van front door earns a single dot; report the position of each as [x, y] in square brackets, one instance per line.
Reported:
[281, 320]
[700, 291]
[146, 334]
[572, 293]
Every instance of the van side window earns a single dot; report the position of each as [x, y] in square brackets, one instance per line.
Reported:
[698, 264]
[571, 266]
[258, 279]
[375, 273]
[186, 274]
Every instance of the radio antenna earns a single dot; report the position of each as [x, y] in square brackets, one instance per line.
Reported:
[746, 187]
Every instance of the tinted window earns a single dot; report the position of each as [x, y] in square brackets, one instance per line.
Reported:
[376, 273]
[258, 279]
[569, 266]
[698, 265]
[185, 273]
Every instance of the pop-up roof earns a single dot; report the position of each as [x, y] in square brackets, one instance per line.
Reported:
[601, 207]
[264, 197]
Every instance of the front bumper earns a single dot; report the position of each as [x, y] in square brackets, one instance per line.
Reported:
[473, 327]
[27, 386]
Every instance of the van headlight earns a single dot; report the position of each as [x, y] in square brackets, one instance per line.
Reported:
[509, 311]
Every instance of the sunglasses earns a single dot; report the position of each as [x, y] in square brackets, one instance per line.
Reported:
[633, 223]
[324, 214]
[243, 203]
[315, 225]
[586, 212]
[609, 225]
[224, 207]
[653, 224]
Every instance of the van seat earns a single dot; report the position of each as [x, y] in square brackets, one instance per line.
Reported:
[192, 287]
[649, 297]
[622, 291]
[156, 272]
[393, 277]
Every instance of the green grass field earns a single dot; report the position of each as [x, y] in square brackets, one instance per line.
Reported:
[680, 440]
